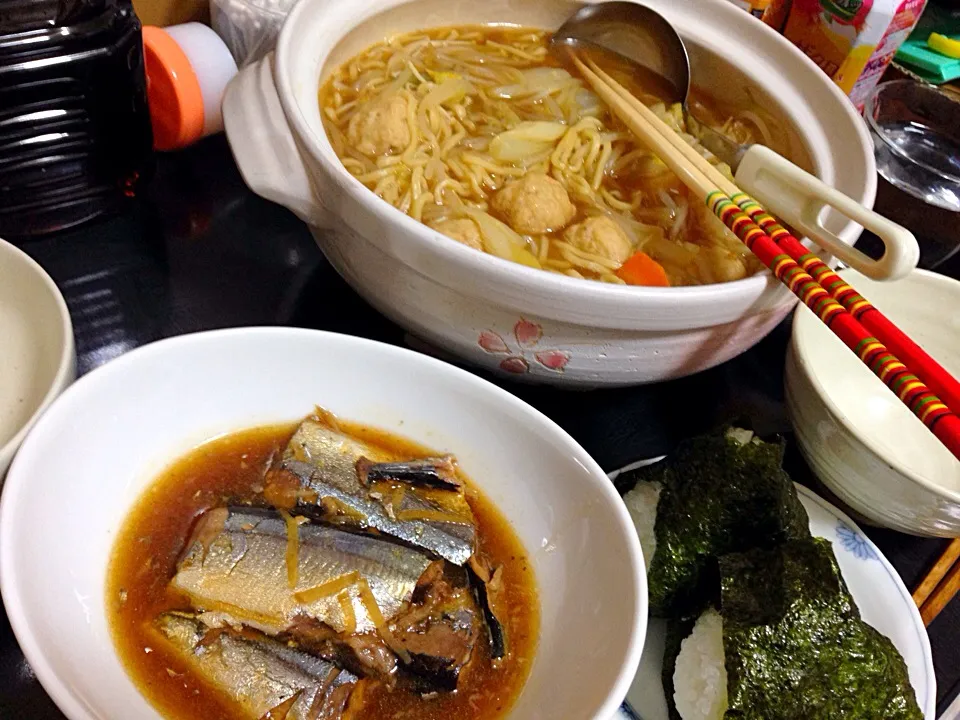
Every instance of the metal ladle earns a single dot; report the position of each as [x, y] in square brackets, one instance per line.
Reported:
[643, 39]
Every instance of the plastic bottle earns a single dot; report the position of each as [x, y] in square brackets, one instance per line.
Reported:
[75, 138]
[188, 68]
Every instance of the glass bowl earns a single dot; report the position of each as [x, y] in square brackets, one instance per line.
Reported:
[916, 137]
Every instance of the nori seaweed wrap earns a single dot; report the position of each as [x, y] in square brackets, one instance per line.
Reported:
[793, 643]
[719, 493]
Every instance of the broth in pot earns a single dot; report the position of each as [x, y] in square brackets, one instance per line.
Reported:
[477, 132]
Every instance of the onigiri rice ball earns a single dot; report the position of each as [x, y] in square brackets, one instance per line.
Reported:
[700, 675]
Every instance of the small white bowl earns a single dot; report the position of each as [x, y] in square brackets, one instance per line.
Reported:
[104, 441]
[37, 358]
[857, 436]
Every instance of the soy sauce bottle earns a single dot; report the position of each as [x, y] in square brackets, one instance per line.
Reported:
[75, 137]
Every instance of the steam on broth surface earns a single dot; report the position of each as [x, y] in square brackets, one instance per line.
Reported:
[478, 133]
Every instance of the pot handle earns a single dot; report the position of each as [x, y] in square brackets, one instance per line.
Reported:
[263, 145]
[798, 197]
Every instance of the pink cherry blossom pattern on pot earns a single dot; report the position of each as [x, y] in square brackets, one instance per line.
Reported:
[528, 335]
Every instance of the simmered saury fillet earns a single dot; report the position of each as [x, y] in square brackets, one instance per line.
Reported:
[440, 631]
[487, 585]
[435, 636]
[366, 603]
[241, 562]
[273, 577]
[319, 474]
[264, 677]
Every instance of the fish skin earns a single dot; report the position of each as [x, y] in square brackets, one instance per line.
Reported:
[496, 634]
[240, 571]
[258, 673]
[436, 472]
[325, 461]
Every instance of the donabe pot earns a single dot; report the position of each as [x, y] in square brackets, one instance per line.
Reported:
[499, 315]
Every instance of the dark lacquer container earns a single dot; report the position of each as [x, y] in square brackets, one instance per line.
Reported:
[75, 138]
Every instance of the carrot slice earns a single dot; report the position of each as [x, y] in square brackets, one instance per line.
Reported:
[641, 269]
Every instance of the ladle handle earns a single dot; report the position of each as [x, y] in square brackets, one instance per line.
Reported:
[799, 198]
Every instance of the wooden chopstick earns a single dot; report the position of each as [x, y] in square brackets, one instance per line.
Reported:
[936, 573]
[940, 381]
[685, 163]
[932, 595]
[644, 123]
[941, 596]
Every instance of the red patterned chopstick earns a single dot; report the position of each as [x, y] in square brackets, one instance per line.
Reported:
[708, 184]
[935, 376]
[895, 375]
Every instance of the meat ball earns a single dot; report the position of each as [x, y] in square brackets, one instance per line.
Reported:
[534, 204]
[462, 230]
[600, 235]
[725, 265]
[381, 129]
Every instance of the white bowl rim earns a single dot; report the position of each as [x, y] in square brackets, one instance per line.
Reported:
[841, 418]
[287, 52]
[63, 695]
[65, 366]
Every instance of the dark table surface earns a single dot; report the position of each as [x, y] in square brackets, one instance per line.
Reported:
[200, 251]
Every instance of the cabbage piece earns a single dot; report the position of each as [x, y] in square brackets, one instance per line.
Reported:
[523, 256]
[499, 239]
[526, 140]
[663, 250]
[396, 85]
[672, 116]
[651, 166]
[535, 81]
[441, 76]
[676, 111]
[451, 90]
[640, 234]
[589, 103]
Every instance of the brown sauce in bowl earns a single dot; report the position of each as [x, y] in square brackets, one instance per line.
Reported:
[229, 471]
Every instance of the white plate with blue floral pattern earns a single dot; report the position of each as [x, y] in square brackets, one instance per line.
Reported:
[883, 600]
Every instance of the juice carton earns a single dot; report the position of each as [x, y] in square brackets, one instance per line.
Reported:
[853, 41]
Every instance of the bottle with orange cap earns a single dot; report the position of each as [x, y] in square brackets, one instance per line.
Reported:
[188, 67]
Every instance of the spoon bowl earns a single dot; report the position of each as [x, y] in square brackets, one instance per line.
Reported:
[638, 34]
[644, 42]
[648, 44]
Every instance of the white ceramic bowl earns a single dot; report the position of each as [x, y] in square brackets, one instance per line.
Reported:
[105, 440]
[37, 358]
[494, 313]
[859, 439]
